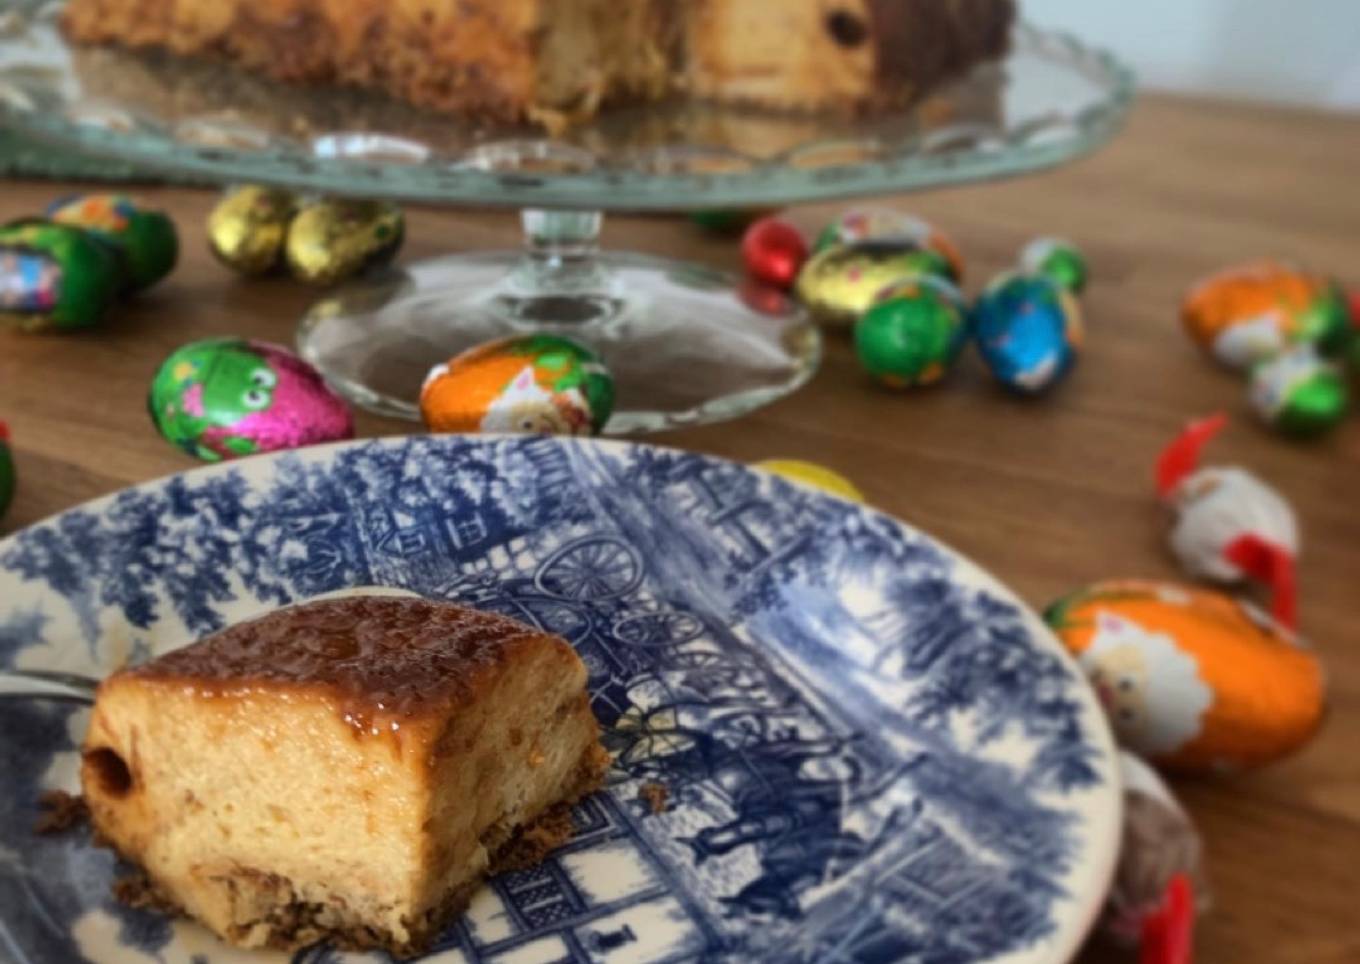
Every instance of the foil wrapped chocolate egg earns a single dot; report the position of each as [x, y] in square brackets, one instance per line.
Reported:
[1192, 679]
[1029, 330]
[54, 277]
[1160, 845]
[248, 227]
[727, 220]
[145, 240]
[1250, 313]
[1299, 393]
[813, 476]
[224, 398]
[843, 281]
[885, 224]
[1059, 260]
[334, 239]
[6, 470]
[538, 384]
[913, 335]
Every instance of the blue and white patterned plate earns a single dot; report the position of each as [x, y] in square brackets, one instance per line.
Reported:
[874, 752]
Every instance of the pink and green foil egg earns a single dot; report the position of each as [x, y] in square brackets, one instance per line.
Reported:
[225, 398]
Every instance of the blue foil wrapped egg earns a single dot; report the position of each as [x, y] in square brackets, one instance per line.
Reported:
[1028, 330]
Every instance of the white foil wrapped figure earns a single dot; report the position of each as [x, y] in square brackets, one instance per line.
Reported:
[1229, 525]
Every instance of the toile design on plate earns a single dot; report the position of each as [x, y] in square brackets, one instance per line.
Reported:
[868, 755]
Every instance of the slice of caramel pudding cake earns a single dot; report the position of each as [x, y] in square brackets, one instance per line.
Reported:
[345, 769]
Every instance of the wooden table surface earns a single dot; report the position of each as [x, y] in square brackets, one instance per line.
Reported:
[1050, 495]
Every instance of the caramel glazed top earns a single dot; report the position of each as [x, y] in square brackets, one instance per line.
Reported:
[400, 655]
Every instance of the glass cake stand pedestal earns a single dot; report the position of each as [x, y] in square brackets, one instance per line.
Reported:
[687, 344]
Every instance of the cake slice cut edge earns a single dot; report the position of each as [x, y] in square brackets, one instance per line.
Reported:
[346, 771]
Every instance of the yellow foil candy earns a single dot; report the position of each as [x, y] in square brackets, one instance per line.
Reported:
[843, 281]
[331, 240]
[248, 227]
[813, 476]
[1192, 679]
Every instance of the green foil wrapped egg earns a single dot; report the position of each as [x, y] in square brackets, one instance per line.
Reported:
[223, 398]
[727, 220]
[54, 277]
[1300, 393]
[842, 282]
[248, 227]
[1057, 259]
[6, 470]
[334, 239]
[145, 240]
[914, 334]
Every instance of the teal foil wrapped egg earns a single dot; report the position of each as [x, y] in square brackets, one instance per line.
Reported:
[914, 334]
[1299, 393]
[145, 240]
[227, 397]
[843, 281]
[54, 277]
[1029, 330]
[6, 470]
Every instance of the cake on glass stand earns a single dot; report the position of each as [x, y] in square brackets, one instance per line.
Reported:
[687, 344]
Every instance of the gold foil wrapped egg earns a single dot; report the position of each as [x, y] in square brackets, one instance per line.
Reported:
[841, 282]
[333, 239]
[247, 228]
[1192, 679]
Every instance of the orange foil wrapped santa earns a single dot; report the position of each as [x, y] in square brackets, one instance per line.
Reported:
[1192, 679]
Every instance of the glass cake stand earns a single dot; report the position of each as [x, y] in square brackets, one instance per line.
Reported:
[686, 343]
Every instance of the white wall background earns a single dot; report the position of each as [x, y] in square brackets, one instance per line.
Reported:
[1295, 51]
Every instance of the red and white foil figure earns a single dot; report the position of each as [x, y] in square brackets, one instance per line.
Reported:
[1158, 886]
[1230, 526]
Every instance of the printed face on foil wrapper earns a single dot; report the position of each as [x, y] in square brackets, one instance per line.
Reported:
[1216, 507]
[1192, 679]
[228, 397]
[539, 384]
[1250, 313]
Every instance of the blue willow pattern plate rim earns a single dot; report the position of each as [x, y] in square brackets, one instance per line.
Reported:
[959, 848]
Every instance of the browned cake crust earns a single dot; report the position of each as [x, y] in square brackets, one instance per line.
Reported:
[345, 770]
[551, 60]
[386, 658]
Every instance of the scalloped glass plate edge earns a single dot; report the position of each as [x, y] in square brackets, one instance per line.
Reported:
[1044, 142]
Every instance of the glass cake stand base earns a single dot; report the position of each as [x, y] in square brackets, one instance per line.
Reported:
[686, 344]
